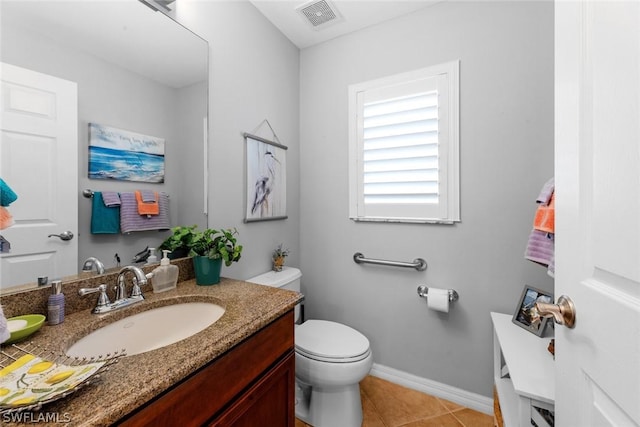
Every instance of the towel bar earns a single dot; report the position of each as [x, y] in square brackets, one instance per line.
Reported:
[418, 263]
[89, 193]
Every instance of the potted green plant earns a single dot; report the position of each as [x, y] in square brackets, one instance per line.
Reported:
[209, 248]
[279, 255]
[179, 242]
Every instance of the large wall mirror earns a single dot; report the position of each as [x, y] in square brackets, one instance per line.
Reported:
[136, 69]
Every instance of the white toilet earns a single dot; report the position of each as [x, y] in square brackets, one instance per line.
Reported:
[331, 360]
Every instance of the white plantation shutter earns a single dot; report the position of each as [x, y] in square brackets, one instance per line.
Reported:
[404, 148]
[400, 149]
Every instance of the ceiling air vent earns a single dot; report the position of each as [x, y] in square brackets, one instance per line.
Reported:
[319, 13]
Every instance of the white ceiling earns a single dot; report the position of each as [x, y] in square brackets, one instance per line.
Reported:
[356, 14]
[126, 33]
[118, 31]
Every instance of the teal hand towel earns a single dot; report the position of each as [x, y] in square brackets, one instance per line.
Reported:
[7, 196]
[104, 219]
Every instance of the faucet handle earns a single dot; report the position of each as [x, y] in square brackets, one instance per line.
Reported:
[103, 299]
[135, 290]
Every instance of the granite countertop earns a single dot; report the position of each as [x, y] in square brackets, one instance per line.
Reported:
[137, 379]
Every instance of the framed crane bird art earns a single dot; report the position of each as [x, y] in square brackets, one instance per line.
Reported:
[266, 179]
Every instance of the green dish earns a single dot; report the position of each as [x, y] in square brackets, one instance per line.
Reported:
[27, 325]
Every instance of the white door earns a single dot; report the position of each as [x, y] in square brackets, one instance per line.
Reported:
[39, 161]
[598, 211]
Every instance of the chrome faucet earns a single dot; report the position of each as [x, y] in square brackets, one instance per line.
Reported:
[91, 262]
[138, 280]
[103, 304]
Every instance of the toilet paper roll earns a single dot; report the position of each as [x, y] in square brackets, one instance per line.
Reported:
[438, 299]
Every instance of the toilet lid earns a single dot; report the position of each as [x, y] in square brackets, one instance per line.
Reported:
[330, 341]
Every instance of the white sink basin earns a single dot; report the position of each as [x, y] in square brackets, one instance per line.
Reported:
[148, 330]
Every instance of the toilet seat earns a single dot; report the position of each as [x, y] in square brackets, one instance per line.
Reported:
[328, 341]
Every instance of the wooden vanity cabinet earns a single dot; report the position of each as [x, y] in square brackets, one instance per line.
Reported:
[270, 402]
[252, 384]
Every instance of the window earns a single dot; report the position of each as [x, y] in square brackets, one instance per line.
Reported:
[403, 147]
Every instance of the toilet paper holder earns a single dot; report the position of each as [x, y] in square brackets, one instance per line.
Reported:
[423, 292]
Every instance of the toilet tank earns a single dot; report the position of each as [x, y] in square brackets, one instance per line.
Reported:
[288, 278]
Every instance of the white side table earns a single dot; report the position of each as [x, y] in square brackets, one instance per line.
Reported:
[523, 373]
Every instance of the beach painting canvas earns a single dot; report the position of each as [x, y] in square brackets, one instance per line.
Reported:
[125, 156]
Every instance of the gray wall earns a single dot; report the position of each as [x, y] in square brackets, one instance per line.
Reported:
[191, 109]
[253, 76]
[506, 126]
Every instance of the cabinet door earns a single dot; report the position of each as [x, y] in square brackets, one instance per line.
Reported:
[270, 402]
[215, 387]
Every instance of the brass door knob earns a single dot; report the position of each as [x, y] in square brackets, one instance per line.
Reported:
[563, 313]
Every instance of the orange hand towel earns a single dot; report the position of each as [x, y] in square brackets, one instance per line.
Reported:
[147, 208]
[6, 220]
[545, 217]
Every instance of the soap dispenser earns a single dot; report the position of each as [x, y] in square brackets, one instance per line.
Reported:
[55, 304]
[152, 258]
[164, 277]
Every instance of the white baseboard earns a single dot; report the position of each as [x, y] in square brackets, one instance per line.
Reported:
[461, 397]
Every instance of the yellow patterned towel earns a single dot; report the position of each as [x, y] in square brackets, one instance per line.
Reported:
[31, 379]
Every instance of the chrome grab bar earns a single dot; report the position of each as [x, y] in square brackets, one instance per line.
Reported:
[418, 263]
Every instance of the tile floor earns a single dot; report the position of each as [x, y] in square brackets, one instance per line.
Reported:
[385, 404]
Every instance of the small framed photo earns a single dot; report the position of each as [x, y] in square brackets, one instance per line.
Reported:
[526, 315]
